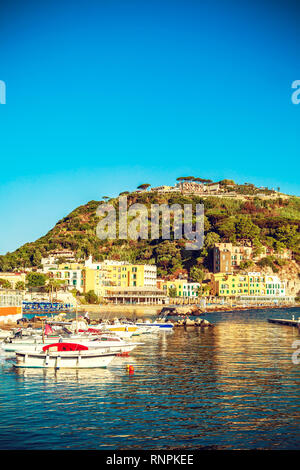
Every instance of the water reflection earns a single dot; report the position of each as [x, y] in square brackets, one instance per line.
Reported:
[231, 386]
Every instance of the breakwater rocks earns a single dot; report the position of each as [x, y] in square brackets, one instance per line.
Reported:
[199, 322]
[189, 310]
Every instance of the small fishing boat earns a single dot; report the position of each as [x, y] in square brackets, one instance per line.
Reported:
[64, 356]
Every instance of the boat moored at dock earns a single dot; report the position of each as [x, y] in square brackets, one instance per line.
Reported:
[64, 356]
[156, 325]
[21, 341]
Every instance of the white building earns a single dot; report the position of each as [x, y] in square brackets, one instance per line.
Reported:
[274, 286]
[50, 262]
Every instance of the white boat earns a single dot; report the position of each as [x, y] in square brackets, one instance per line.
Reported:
[120, 329]
[107, 346]
[157, 324]
[107, 342]
[4, 334]
[64, 356]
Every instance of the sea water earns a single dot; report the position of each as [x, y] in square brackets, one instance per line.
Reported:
[234, 386]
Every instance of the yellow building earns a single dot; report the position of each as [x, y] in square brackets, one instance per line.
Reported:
[96, 280]
[97, 276]
[251, 284]
[13, 278]
[182, 286]
[70, 274]
[131, 275]
[229, 285]
[109, 273]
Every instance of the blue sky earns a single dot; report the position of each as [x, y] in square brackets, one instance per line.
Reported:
[104, 96]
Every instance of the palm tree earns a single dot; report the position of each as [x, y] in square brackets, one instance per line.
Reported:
[20, 285]
[54, 285]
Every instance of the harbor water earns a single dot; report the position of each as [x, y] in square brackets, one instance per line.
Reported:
[234, 386]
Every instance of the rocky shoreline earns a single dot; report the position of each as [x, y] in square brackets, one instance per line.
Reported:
[198, 322]
[193, 310]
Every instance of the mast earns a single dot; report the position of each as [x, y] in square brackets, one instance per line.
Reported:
[76, 318]
[43, 331]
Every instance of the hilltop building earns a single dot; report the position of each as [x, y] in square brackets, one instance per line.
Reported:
[228, 257]
[54, 256]
[165, 189]
[191, 187]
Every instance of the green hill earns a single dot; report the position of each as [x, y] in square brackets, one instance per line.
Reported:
[271, 222]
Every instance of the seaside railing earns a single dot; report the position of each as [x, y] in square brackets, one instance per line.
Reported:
[46, 307]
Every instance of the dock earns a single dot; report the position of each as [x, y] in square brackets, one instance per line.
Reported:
[280, 321]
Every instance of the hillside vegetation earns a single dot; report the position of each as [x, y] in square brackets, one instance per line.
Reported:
[274, 223]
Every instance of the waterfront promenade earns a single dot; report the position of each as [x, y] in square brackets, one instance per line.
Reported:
[144, 311]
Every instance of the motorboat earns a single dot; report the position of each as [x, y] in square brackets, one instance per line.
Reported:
[109, 342]
[64, 356]
[4, 334]
[156, 324]
[120, 329]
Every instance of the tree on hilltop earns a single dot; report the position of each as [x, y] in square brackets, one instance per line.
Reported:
[227, 182]
[186, 178]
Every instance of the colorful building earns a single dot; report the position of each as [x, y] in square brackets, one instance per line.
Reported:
[70, 274]
[274, 286]
[10, 306]
[95, 280]
[13, 278]
[182, 286]
[228, 257]
[251, 284]
[123, 274]
[228, 285]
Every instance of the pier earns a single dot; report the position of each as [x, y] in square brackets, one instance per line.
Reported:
[280, 321]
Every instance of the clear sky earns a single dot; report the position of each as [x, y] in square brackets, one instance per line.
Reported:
[105, 95]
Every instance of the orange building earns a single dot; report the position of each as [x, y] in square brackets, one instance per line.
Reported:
[10, 306]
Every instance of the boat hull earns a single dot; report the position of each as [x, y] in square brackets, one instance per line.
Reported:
[63, 360]
[104, 346]
[157, 325]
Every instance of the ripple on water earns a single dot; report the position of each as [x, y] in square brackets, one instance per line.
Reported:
[233, 386]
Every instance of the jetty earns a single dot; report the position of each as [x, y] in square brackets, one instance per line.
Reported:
[286, 322]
